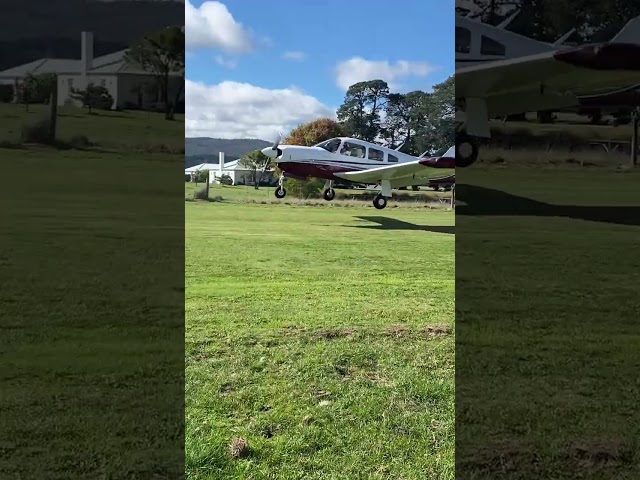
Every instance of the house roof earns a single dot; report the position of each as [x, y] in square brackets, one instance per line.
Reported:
[232, 165]
[112, 63]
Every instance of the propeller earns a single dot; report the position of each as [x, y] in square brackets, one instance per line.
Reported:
[277, 141]
[274, 147]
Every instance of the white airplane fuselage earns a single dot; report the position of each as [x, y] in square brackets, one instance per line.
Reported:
[345, 155]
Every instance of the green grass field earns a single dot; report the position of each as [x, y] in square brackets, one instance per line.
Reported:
[546, 321]
[324, 337]
[91, 299]
[424, 198]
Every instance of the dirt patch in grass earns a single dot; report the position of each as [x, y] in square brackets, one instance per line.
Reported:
[402, 331]
[505, 456]
[595, 453]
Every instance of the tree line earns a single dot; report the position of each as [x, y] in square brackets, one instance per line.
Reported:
[548, 20]
[417, 122]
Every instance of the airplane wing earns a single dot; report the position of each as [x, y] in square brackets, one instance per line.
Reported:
[551, 79]
[405, 174]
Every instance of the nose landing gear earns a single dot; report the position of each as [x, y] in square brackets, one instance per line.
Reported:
[280, 190]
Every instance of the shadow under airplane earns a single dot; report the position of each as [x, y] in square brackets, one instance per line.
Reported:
[386, 223]
[490, 202]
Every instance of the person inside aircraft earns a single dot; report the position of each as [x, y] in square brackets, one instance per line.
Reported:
[353, 150]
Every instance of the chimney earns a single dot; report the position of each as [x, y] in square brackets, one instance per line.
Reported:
[221, 161]
[87, 52]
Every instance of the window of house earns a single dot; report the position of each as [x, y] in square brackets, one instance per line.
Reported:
[392, 159]
[375, 154]
[490, 47]
[463, 40]
[353, 150]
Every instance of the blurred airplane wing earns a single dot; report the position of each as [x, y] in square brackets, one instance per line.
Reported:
[428, 168]
[551, 79]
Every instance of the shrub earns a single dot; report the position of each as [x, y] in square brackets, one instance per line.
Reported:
[304, 188]
[201, 194]
[202, 176]
[225, 179]
[36, 132]
[6, 93]
[95, 96]
[80, 141]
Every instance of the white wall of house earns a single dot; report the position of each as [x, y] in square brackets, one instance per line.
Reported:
[237, 175]
[68, 81]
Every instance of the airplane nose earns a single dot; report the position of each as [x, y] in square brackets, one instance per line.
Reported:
[269, 152]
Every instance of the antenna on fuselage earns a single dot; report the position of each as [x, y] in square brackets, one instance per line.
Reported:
[564, 38]
[502, 25]
[398, 148]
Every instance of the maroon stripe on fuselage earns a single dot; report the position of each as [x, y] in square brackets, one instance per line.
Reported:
[317, 170]
[605, 56]
[439, 162]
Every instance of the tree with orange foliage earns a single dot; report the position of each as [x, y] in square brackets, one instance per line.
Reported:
[314, 132]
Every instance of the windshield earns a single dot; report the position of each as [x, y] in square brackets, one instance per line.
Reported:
[331, 145]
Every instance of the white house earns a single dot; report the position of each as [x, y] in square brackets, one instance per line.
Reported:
[129, 85]
[239, 175]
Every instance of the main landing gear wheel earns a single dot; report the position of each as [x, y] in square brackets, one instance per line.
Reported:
[379, 202]
[280, 192]
[466, 150]
[329, 194]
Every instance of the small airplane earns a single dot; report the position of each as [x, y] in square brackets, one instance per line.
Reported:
[359, 161]
[500, 73]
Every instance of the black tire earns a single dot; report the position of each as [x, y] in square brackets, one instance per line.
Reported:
[329, 194]
[463, 157]
[379, 202]
[280, 192]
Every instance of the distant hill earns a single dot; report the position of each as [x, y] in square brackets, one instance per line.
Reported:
[51, 28]
[205, 150]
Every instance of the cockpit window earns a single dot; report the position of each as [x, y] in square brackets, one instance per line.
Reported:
[330, 145]
[353, 150]
[375, 154]
[490, 47]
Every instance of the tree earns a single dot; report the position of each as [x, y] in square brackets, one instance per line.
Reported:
[361, 109]
[27, 90]
[162, 54]
[94, 96]
[311, 133]
[255, 162]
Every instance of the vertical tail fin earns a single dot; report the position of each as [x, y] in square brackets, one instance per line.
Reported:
[630, 33]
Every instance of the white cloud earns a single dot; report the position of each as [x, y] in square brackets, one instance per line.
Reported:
[357, 69]
[241, 110]
[212, 26]
[226, 62]
[295, 55]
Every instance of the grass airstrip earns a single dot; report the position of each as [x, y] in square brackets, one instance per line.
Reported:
[323, 337]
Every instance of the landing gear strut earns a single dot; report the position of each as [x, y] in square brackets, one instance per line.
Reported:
[280, 190]
[329, 193]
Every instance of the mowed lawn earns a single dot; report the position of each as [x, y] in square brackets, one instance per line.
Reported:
[547, 339]
[324, 337]
[91, 297]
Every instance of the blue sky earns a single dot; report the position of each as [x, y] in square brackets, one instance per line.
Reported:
[305, 53]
